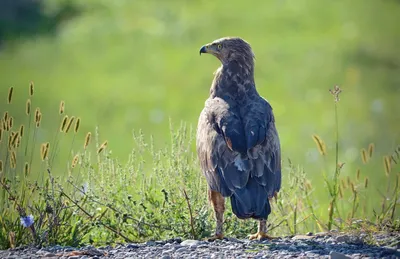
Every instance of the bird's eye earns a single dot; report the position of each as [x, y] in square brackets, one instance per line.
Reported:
[219, 46]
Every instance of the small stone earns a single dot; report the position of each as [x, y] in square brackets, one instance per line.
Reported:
[300, 237]
[336, 255]
[166, 257]
[74, 257]
[132, 246]
[151, 243]
[190, 242]
[49, 255]
[168, 251]
[182, 250]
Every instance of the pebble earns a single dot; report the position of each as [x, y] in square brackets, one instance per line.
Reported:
[332, 245]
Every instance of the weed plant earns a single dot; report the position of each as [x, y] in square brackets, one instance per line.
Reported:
[159, 193]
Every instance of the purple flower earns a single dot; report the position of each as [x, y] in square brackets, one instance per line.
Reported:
[27, 221]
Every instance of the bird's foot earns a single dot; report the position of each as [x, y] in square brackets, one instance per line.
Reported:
[215, 237]
[260, 236]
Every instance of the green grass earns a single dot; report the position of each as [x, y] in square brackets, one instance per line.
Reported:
[129, 65]
[158, 193]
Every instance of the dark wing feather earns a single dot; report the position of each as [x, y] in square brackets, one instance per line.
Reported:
[235, 143]
[263, 143]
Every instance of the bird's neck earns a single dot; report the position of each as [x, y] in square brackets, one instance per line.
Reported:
[234, 79]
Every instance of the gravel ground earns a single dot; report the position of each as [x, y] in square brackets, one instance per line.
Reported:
[324, 245]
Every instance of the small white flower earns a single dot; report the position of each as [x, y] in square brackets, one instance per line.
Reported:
[27, 221]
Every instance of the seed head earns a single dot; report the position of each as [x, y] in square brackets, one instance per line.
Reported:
[102, 147]
[13, 159]
[28, 107]
[64, 123]
[62, 107]
[10, 93]
[364, 156]
[320, 144]
[10, 122]
[31, 88]
[5, 116]
[358, 174]
[21, 130]
[366, 182]
[71, 120]
[45, 148]
[14, 139]
[1, 134]
[37, 112]
[77, 123]
[87, 140]
[353, 188]
[371, 149]
[1, 166]
[335, 92]
[387, 165]
[26, 169]
[75, 161]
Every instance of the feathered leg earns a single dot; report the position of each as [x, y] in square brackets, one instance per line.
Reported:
[262, 231]
[218, 203]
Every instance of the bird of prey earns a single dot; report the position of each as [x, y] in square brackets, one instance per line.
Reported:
[237, 143]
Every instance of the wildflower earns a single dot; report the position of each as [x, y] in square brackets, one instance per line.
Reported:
[27, 221]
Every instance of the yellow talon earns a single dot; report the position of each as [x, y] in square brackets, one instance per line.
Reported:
[260, 236]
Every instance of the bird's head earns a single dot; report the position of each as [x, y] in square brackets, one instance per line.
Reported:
[229, 49]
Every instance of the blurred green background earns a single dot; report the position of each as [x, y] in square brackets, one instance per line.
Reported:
[124, 65]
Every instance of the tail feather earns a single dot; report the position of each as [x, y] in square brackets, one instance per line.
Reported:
[251, 201]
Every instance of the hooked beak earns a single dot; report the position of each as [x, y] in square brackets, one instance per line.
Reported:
[203, 49]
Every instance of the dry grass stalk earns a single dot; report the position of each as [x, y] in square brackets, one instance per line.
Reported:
[1, 166]
[10, 123]
[353, 187]
[10, 94]
[42, 148]
[75, 161]
[344, 185]
[77, 124]
[26, 169]
[39, 120]
[371, 149]
[14, 139]
[320, 144]
[13, 159]
[45, 150]
[21, 130]
[62, 107]
[31, 88]
[71, 120]
[102, 147]
[64, 123]
[28, 107]
[87, 140]
[387, 165]
[37, 114]
[364, 157]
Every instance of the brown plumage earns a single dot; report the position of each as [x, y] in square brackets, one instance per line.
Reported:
[237, 142]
